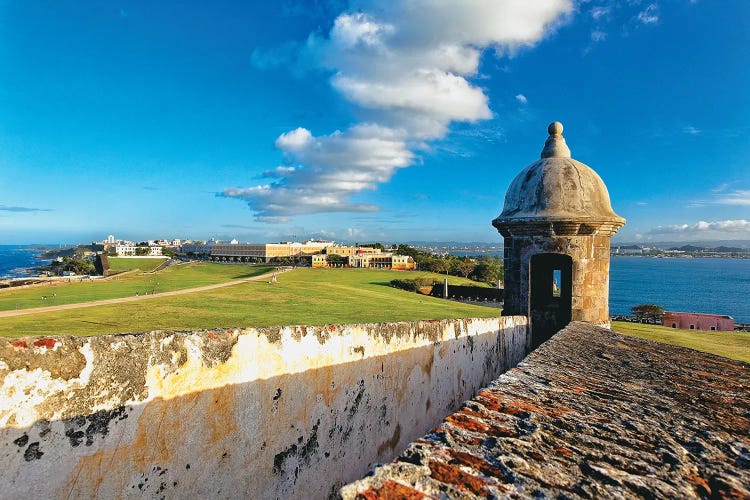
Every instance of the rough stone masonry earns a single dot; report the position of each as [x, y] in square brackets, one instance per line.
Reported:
[557, 215]
[590, 414]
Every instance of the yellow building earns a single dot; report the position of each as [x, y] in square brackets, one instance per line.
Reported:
[382, 261]
[402, 263]
[377, 260]
[348, 251]
[319, 260]
[268, 251]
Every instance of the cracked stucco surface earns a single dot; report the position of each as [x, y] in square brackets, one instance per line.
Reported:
[268, 412]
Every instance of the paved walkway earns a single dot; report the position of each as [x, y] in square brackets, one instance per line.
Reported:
[122, 300]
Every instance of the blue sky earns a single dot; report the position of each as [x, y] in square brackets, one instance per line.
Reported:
[363, 120]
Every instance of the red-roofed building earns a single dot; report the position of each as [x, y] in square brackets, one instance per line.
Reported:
[697, 321]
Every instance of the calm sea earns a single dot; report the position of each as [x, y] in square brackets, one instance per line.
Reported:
[714, 286]
[15, 260]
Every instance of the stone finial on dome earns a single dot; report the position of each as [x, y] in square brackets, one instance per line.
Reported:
[555, 146]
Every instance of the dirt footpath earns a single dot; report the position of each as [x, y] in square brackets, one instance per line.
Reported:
[122, 300]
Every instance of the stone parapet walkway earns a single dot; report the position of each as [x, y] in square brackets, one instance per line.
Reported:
[590, 414]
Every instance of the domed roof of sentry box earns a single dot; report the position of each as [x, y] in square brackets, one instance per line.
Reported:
[557, 188]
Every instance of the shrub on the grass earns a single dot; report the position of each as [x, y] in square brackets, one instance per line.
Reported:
[412, 285]
[408, 285]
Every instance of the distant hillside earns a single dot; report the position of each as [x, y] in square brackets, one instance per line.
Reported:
[724, 249]
[70, 251]
[688, 248]
[721, 249]
[743, 245]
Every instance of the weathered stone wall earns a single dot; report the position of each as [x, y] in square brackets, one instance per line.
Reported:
[254, 413]
[589, 414]
[468, 292]
[590, 254]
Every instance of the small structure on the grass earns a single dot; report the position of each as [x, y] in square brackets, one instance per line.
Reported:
[557, 222]
[698, 321]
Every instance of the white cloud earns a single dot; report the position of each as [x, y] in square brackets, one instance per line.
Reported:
[600, 12]
[295, 140]
[522, 99]
[721, 195]
[737, 197]
[408, 63]
[649, 15]
[598, 36]
[690, 130]
[280, 171]
[703, 227]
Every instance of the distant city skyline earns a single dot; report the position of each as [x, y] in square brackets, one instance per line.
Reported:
[362, 120]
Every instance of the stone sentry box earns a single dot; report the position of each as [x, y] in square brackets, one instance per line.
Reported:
[557, 223]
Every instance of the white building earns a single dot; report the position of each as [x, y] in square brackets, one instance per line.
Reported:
[628, 250]
[125, 249]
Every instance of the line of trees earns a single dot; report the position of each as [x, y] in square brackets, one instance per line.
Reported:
[651, 312]
[487, 268]
[81, 266]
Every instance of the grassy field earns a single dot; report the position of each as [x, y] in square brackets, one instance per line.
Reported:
[733, 345]
[128, 263]
[303, 296]
[172, 278]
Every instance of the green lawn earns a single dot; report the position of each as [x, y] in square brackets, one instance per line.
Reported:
[733, 345]
[303, 296]
[130, 263]
[171, 278]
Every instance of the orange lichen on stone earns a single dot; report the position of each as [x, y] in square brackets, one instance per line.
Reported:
[480, 464]
[701, 485]
[594, 415]
[489, 401]
[464, 420]
[392, 490]
[467, 423]
[532, 408]
[450, 474]
[513, 407]
[564, 451]
[47, 343]
[21, 344]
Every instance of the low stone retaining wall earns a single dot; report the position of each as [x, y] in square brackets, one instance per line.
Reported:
[476, 293]
[255, 413]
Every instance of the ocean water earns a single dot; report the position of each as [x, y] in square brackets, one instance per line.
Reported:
[15, 260]
[713, 286]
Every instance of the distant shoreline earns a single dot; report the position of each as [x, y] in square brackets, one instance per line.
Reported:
[738, 257]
